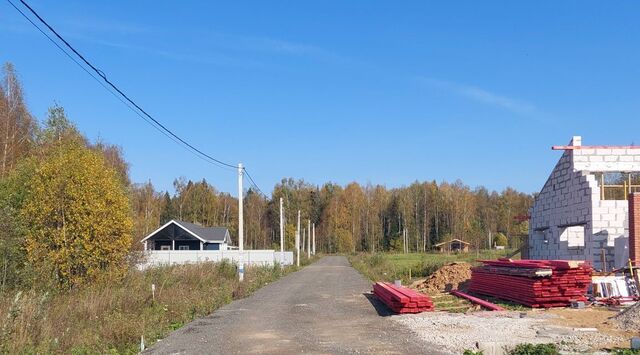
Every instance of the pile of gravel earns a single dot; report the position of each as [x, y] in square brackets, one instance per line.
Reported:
[457, 332]
[629, 319]
[447, 278]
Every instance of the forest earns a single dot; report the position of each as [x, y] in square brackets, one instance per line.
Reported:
[57, 189]
[351, 218]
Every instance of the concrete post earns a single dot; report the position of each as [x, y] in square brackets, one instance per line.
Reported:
[281, 233]
[298, 241]
[240, 223]
[308, 238]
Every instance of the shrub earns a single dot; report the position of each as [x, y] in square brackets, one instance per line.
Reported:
[500, 240]
[535, 349]
[79, 218]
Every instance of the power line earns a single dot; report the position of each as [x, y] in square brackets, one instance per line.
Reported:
[101, 83]
[253, 182]
[158, 125]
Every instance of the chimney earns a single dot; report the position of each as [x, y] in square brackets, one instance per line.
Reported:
[576, 141]
[634, 227]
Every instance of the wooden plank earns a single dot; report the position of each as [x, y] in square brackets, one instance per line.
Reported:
[476, 300]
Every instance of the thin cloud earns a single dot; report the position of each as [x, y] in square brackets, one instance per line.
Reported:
[181, 56]
[483, 96]
[110, 27]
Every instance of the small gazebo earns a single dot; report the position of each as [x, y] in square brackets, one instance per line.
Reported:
[453, 245]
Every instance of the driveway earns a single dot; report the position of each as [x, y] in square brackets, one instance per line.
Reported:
[321, 309]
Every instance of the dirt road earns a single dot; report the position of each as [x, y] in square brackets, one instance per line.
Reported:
[321, 309]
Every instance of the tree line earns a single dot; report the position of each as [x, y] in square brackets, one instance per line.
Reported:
[349, 218]
[69, 210]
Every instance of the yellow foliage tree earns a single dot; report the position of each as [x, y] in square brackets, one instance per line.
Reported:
[80, 226]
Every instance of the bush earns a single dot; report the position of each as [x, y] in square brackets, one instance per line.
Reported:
[535, 349]
[500, 240]
[79, 218]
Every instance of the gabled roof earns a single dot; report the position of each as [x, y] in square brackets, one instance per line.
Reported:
[451, 241]
[209, 234]
[204, 234]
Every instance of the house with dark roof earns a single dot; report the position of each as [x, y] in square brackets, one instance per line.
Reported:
[180, 235]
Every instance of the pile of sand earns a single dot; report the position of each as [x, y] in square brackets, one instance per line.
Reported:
[449, 277]
[629, 319]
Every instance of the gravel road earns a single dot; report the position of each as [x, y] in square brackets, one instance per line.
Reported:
[321, 309]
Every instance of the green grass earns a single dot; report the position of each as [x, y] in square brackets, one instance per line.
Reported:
[394, 266]
[390, 267]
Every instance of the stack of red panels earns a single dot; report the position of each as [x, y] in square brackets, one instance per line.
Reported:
[402, 299]
[569, 281]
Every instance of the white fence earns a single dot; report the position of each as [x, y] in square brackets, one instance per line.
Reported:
[249, 257]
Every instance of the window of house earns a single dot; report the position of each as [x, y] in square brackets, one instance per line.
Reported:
[183, 247]
[165, 247]
[617, 185]
[573, 235]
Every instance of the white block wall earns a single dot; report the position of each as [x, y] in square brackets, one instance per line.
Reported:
[248, 257]
[571, 196]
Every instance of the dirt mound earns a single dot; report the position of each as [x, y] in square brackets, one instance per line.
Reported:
[629, 319]
[449, 277]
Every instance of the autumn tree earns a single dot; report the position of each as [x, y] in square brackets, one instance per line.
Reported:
[147, 209]
[17, 126]
[79, 217]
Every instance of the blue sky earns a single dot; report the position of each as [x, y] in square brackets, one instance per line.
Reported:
[380, 92]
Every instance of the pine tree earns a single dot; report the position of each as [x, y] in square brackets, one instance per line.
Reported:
[168, 210]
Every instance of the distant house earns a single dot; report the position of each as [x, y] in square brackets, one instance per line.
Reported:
[454, 245]
[179, 235]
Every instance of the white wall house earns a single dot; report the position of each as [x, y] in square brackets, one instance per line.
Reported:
[581, 213]
[178, 242]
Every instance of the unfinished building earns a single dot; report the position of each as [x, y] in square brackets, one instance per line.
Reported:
[582, 212]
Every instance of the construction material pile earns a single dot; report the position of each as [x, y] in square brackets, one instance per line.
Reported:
[629, 319]
[448, 277]
[534, 283]
[401, 299]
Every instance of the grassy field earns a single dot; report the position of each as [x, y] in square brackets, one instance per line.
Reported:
[111, 318]
[390, 267]
[394, 266]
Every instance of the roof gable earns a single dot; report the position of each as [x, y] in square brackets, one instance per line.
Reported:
[204, 234]
[451, 241]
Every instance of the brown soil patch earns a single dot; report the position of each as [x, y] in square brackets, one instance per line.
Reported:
[449, 277]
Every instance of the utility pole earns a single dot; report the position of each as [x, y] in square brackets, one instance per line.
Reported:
[314, 239]
[309, 238]
[281, 234]
[303, 241]
[298, 241]
[240, 223]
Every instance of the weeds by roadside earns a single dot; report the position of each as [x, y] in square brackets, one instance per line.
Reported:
[112, 317]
